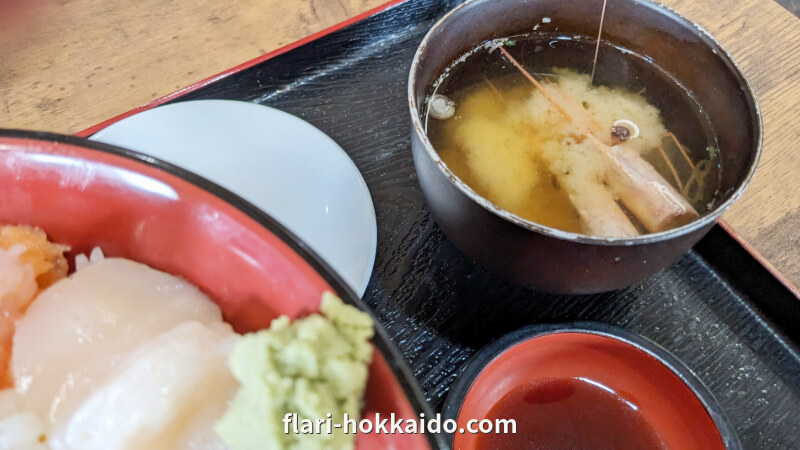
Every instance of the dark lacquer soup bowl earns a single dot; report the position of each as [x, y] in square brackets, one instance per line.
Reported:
[551, 259]
[86, 194]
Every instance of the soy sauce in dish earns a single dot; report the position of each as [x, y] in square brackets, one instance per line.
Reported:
[570, 413]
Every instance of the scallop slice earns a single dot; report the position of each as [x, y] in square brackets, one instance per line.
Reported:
[79, 331]
[200, 434]
[157, 396]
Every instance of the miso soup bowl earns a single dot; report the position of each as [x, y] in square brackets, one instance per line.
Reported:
[551, 259]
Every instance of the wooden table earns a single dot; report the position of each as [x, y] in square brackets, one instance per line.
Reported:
[68, 64]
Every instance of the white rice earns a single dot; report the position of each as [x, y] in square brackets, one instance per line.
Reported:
[82, 261]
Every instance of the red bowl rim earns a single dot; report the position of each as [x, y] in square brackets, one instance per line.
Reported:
[381, 339]
[474, 368]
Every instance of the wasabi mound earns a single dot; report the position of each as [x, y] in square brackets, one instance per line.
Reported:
[312, 367]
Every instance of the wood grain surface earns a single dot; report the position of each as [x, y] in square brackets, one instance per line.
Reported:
[765, 39]
[75, 63]
[68, 64]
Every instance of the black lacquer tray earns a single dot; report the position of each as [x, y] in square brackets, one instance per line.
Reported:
[717, 309]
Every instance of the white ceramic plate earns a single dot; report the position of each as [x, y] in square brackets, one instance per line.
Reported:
[278, 162]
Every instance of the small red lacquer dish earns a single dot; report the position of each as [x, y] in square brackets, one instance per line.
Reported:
[551, 360]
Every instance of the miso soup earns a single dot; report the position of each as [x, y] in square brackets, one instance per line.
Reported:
[628, 153]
